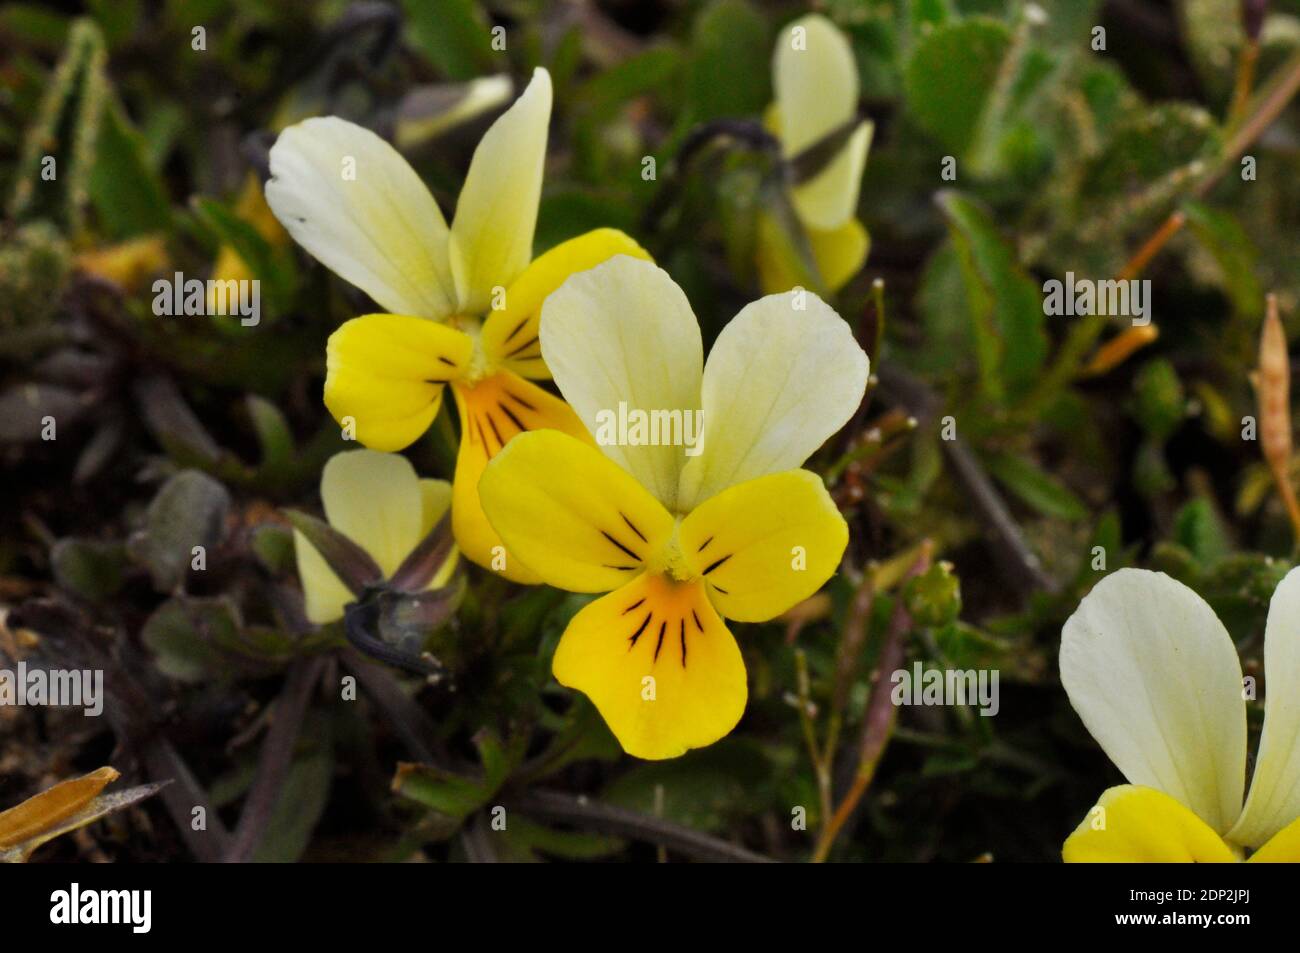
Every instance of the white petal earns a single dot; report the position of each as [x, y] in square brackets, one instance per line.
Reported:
[816, 82]
[375, 500]
[358, 207]
[471, 100]
[623, 333]
[1274, 800]
[492, 233]
[1155, 677]
[780, 380]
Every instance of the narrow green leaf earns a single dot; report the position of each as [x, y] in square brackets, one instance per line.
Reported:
[1036, 488]
[1006, 304]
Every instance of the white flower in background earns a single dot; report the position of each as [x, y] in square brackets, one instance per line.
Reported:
[1156, 679]
[816, 83]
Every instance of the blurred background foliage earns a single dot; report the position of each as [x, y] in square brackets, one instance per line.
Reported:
[1000, 465]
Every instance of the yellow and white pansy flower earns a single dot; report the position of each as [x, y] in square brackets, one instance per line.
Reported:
[815, 80]
[377, 501]
[1156, 679]
[681, 537]
[463, 300]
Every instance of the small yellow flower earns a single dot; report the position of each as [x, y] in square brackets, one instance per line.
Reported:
[735, 531]
[250, 207]
[127, 263]
[816, 84]
[377, 501]
[1156, 679]
[356, 205]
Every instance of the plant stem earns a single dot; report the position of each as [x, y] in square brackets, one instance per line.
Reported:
[275, 758]
[818, 757]
[559, 808]
[878, 723]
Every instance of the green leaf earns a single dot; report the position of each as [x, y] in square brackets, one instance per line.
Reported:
[581, 735]
[449, 794]
[32, 24]
[702, 789]
[273, 436]
[24, 407]
[174, 424]
[453, 34]
[1005, 303]
[185, 636]
[65, 129]
[452, 795]
[1153, 156]
[524, 839]
[189, 511]
[1201, 530]
[730, 63]
[951, 77]
[1159, 402]
[1232, 250]
[646, 72]
[1108, 536]
[128, 196]
[196, 639]
[91, 568]
[1035, 487]
[274, 268]
[303, 797]
[941, 302]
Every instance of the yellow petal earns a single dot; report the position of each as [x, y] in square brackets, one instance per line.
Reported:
[127, 263]
[492, 233]
[838, 254]
[1132, 824]
[252, 208]
[658, 664]
[816, 83]
[375, 500]
[435, 499]
[830, 198]
[1282, 848]
[784, 374]
[493, 412]
[1156, 679]
[1274, 800]
[387, 371]
[779, 265]
[475, 98]
[227, 267]
[570, 514]
[358, 207]
[511, 335]
[624, 333]
[765, 545]
[323, 593]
